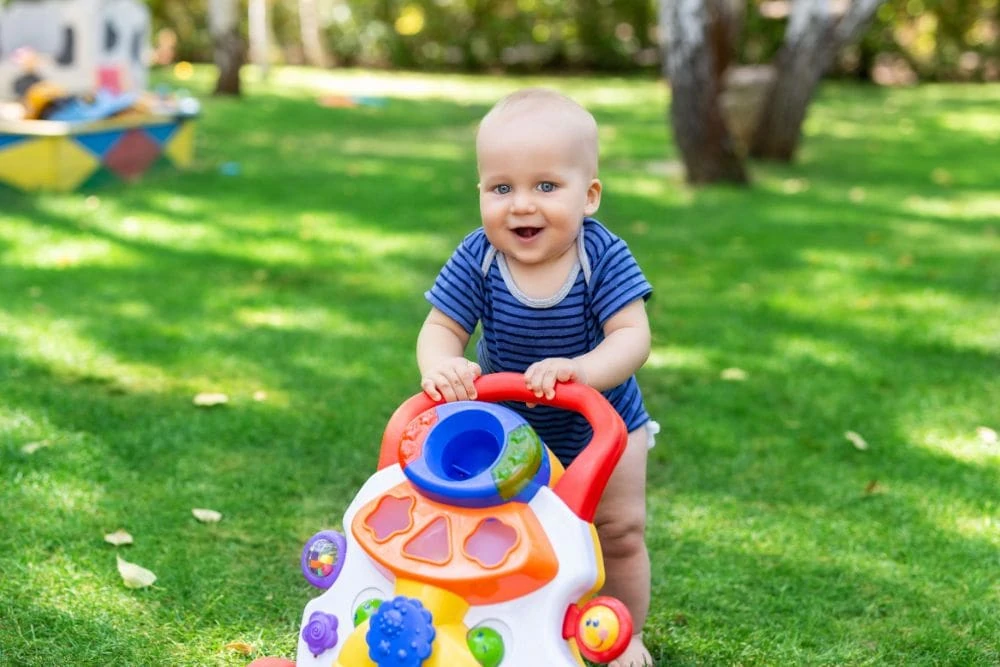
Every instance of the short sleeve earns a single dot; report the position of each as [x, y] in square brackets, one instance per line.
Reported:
[458, 290]
[617, 281]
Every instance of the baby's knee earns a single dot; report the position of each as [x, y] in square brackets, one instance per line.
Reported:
[623, 536]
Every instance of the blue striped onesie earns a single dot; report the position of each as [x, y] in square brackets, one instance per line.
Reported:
[475, 286]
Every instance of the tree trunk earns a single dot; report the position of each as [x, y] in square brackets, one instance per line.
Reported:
[260, 49]
[726, 19]
[227, 44]
[812, 40]
[693, 71]
[312, 41]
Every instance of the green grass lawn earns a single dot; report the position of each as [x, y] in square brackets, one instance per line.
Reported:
[857, 290]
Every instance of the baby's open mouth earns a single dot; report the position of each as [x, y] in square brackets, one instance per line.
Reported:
[527, 232]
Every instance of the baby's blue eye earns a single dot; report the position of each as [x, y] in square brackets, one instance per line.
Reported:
[547, 186]
[502, 189]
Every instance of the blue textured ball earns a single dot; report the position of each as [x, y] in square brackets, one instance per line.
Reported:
[400, 633]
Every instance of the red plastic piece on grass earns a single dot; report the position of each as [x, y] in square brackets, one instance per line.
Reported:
[583, 483]
[272, 662]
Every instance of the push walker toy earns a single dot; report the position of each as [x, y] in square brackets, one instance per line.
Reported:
[470, 546]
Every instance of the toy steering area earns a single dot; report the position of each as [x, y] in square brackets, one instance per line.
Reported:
[470, 546]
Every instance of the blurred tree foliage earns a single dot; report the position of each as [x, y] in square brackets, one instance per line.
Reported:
[936, 38]
[929, 39]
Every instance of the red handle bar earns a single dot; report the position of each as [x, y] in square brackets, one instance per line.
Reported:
[583, 483]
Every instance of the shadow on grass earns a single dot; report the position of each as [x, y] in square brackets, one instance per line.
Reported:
[303, 275]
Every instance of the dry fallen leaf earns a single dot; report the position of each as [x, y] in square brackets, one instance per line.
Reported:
[734, 374]
[207, 516]
[987, 436]
[873, 487]
[856, 440]
[793, 186]
[118, 538]
[33, 447]
[207, 399]
[240, 647]
[941, 176]
[134, 575]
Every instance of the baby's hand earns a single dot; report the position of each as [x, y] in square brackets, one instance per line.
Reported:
[452, 380]
[541, 376]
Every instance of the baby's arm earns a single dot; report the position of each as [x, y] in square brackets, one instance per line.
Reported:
[445, 372]
[623, 351]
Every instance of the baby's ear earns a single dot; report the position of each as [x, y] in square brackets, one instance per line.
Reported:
[593, 197]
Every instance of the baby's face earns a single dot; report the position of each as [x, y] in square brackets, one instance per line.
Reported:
[536, 184]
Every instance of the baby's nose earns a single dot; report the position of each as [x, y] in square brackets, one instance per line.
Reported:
[522, 202]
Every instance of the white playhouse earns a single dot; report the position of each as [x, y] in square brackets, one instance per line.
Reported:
[74, 106]
[79, 45]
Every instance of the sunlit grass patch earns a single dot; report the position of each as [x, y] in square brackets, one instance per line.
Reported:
[963, 444]
[824, 368]
[971, 206]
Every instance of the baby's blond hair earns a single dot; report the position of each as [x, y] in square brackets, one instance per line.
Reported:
[544, 104]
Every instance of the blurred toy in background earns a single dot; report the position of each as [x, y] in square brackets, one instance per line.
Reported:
[44, 100]
[74, 104]
[337, 101]
[81, 46]
[73, 60]
[165, 51]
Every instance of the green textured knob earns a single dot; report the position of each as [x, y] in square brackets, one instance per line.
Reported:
[365, 610]
[521, 460]
[486, 646]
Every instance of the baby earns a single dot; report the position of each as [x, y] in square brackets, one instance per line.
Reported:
[560, 298]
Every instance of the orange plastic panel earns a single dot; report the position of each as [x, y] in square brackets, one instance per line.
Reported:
[432, 544]
[391, 516]
[524, 562]
[491, 542]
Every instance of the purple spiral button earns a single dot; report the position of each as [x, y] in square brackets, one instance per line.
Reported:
[320, 633]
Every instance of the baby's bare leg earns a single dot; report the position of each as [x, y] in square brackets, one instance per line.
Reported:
[621, 525]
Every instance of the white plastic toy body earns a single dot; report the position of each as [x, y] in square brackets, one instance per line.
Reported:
[470, 547]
